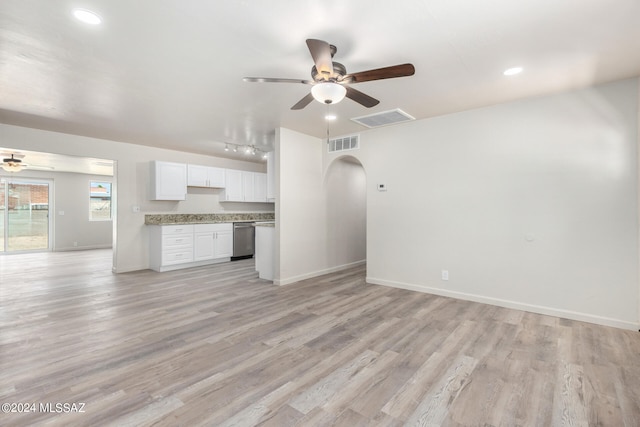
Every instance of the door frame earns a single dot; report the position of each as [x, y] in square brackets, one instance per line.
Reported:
[50, 216]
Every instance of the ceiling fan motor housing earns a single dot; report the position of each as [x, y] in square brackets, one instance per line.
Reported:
[339, 71]
[12, 160]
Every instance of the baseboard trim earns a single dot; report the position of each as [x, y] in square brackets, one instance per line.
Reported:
[129, 269]
[549, 311]
[294, 279]
[162, 269]
[82, 248]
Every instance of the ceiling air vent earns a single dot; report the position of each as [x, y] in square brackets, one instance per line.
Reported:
[383, 118]
[345, 143]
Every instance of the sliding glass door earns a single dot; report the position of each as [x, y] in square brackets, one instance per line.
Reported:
[24, 204]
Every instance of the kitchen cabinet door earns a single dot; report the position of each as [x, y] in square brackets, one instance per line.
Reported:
[223, 244]
[233, 188]
[216, 177]
[168, 181]
[213, 241]
[197, 176]
[247, 186]
[205, 176]
[271, 177]
[259, 187]
[203, 246]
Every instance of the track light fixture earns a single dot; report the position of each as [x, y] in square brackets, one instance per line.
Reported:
[249, 150]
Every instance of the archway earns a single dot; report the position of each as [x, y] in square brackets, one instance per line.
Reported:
[346, 215]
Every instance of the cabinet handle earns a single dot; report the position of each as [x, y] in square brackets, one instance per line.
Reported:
[178, 230]
[178, 240]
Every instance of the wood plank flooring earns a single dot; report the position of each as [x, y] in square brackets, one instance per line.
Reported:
[216, 346]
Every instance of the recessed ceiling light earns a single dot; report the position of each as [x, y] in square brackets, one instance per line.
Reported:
[87, 16]
[330, 117]
[512, 71]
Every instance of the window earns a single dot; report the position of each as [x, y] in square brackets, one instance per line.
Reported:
[99, 201]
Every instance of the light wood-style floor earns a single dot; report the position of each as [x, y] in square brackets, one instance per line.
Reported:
[216, 346]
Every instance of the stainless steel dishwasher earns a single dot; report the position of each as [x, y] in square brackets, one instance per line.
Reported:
[244, 238]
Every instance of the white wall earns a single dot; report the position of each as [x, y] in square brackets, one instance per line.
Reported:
[309, 203]
[346, 212]
[300, 213]
[72, 196]
[132, 183]
[531, 204]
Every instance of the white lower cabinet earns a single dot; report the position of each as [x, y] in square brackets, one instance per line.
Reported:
[172, 247]
[212, 241]
[224, 243]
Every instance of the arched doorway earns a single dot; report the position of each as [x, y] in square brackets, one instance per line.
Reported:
[346, 204]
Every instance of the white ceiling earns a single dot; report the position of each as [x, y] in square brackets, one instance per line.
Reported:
[169, 73]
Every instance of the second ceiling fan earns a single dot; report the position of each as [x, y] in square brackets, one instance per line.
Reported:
[331, 82]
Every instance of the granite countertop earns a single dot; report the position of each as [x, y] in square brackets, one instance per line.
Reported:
[180, 219]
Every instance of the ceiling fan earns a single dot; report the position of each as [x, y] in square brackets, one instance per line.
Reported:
[15, 164]
[330, 80]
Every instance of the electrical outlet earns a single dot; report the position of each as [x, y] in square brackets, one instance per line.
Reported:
[445, 274]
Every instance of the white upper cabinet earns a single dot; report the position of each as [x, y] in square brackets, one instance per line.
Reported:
[271, 177]
[248, 186]
[259, 187]
[233, 188]
[243, 186]
[168, 181]
[205, 176]
[197, 176]
[217, 177]
[254, 186]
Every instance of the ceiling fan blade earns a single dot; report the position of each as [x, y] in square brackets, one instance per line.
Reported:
[303, 102]
[321, 54]
[361, 98]
[272, 80]
[402, 70]
[38, 167]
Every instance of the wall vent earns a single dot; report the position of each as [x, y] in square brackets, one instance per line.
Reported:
[351, 142]
[383, 118]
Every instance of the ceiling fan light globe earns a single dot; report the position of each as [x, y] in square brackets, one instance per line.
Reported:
[328, 92]
[12, 166]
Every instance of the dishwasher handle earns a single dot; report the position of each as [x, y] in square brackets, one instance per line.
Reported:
[243, 224]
